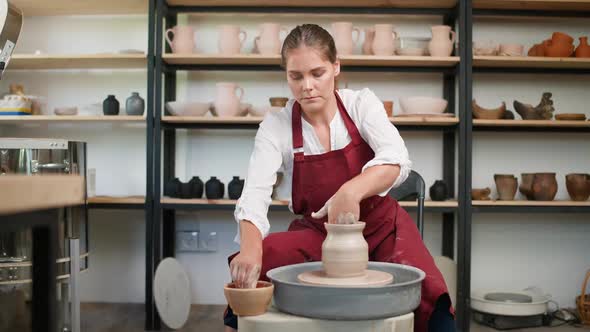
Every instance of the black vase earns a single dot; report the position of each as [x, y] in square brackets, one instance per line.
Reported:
[196, 187]
[214, 189]
[110, 106]
[235, 187]
[185, 190]
[439, 191]
[172, 188]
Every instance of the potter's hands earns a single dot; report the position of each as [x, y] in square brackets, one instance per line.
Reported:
[245, 269]
[342, 208]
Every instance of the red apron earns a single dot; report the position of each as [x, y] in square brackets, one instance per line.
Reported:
[390, 232]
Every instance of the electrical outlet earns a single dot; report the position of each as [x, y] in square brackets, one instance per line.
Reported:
[187, 241]
[210, 243]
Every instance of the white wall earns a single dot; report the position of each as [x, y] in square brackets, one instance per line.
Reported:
[509, 250]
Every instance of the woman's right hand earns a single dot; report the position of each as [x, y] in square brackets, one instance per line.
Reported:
[245, 268]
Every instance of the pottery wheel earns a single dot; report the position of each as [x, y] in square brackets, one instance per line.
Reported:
[172, 293]
[370, 278]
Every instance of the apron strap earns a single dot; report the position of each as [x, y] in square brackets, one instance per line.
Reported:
[297, 128]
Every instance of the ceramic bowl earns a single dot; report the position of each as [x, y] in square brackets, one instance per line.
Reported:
[187, 108]
[411, 46]
[262, 110]
[243, 111]
[423, 105]
[485, 48]
[249, 301]
[66, 110]
[278, 101]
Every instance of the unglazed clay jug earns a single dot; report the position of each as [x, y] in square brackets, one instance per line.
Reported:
[583, 50]
[345, 252]
[231, 38]
[368, 43]
[268, 40]
[227, 102]
[560, 45]
[383, 43]
[544, 186]
[181, 39]
[343, 37]
[443, 39]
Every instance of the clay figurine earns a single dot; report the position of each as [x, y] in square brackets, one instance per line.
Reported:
[543, 111]
[487, 113]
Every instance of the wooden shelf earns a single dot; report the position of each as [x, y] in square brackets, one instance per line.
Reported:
[530, 203]
[80, 7]
[21, 193]
[530, 62]
[116, 200]
[326, 3]
[539, 124]
[77, 61]
[352, 60]
[554, 5]
[401, 121]
[48, 119]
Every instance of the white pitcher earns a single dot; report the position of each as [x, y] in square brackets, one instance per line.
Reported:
[343, 37]
[443, 39]
[231, 38]
[227, 102]
[183, 39]
[268, 41]
[383, 43]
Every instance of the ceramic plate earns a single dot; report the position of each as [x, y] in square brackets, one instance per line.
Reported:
[445, 115]
[371, 278]
[172, 293]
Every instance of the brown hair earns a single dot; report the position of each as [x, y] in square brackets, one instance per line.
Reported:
[310, 35]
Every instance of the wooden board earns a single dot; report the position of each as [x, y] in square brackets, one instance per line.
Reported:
[426, 121]
[530, 62]
[80, 7]
[77, 61]
[116, 200]
[529, 203]
[325, 3]
[531, 123]
[555, 5]
[22, 119]
[351, 60]
[22, 193]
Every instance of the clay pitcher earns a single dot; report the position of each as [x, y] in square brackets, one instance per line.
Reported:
[231, 38]
[583, 50]
[227, 102]
[560, 45]
[181, 39]
[443, 39]
[343, 37]
[544, 186]
[578, 186]
[345, 252]
[526, 185]
[268, 40]
[368, 43]
[383, 43]
[506, 185]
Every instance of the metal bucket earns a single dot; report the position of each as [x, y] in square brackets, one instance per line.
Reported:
[34, 157]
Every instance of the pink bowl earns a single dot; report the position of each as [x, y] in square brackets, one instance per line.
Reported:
[422, 105]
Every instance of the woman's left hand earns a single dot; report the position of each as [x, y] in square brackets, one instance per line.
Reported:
[339, 207]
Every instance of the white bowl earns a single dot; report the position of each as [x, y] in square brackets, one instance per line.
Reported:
[422, 105]
[243, 111]
[187, 108]
[263, 109]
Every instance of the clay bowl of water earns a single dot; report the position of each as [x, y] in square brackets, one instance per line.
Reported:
[249, 301]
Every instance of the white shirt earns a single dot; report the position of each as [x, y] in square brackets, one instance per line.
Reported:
[273, 151]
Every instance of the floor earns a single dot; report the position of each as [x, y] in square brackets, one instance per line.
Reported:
[99, 317]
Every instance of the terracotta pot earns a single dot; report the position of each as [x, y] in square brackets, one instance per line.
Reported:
[506, 185]
[388, 105]
[537, 50]
[544, 186]
[383, 43]
[278, 101]
[560, 37]
[578, 186]
[249, 301]
[583, 50]
[343, 37]
[443, 39]
[560, 45]
[368, 43]
[345, 252]
[480, 194]
[526, 185]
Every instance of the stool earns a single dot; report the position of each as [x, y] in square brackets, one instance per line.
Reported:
[274, 320]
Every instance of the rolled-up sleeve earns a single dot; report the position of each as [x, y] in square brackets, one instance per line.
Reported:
[382, 136]
[265, 161]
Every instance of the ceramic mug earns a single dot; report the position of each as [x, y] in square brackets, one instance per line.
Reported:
[343, 37]
[182, 39]
[231, 39]
[268, 40]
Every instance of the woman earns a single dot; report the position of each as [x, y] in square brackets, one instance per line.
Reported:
[342, 155]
